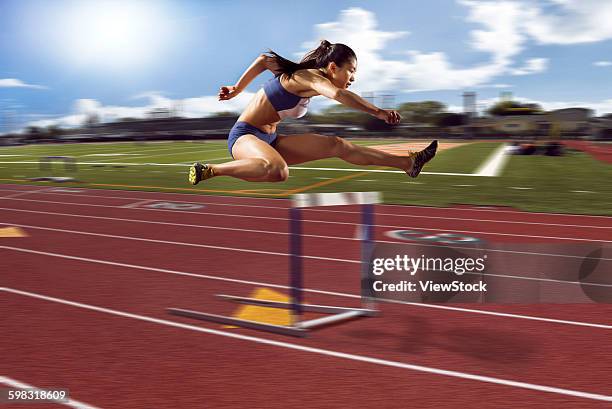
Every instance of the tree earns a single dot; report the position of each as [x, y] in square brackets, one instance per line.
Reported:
[224, 114]
[54, 131]
[447, 119]
[504, 108]
[92, 119]
[340, 114]
[421, 112]
[34, 133]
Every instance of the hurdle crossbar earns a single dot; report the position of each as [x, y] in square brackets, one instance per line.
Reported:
[336, 314]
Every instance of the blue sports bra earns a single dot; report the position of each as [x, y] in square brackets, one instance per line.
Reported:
[287, 105]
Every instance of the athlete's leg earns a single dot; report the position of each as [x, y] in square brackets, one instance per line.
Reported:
[255, 161]
[307, 147]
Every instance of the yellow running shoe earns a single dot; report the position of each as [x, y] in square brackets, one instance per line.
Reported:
[421, 158]
[199, 172]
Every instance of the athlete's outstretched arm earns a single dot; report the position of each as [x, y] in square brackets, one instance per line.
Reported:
[261, 63]
[324, 87]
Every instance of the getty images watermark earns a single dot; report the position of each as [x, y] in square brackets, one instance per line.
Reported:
[405, 266]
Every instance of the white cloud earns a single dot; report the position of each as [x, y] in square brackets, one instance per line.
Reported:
[15, 83]
[501, 36]
[357, 28]
[506, 29]
[532, 66]
[188, 107]
[602, 63]
[581, 21]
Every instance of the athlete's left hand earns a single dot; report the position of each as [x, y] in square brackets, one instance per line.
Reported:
[389, 116]
[228, 92]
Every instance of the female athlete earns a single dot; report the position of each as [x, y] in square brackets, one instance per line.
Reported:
[260, 155]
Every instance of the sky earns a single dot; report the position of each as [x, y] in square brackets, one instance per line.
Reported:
[63, 60]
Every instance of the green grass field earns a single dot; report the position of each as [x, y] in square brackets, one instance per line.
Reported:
[574, 183]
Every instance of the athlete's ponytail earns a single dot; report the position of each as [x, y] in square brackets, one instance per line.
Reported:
[325, 53]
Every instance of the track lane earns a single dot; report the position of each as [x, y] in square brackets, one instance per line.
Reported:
[424, 339]
[123, 363]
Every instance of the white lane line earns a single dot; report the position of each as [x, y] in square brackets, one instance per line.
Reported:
[320, 351]
[22, 385]
[181, 243]
[309, 290]
[404, 207]
[333, 222]
[21, 193]
[278, 232]
[582, 283]
[520, 188]
[377, 171]
[495, 163]
[378, 213]
[582, 191]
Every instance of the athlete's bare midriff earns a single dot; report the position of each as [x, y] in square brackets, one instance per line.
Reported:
[261, 114]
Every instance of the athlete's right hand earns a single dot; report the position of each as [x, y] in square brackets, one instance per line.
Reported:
[228, 92]
[389, 116]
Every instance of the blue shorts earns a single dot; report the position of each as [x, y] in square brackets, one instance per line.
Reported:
[243, 128]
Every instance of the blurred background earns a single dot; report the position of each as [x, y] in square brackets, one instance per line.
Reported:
[124, 93]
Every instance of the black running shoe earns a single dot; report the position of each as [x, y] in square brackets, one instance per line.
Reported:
[199, 172]
[421, 158]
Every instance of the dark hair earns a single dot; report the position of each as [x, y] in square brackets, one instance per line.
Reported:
[325, 53]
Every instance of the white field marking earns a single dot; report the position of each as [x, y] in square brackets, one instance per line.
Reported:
[413, 183]
[183, 150]
[331, 222]
[111, 154]
[403, 207]
[5, 156]
[50, 191]
[520, 188]
[276, 233]
[320, 351]
[495, 163]
[366, 180]
[136, 204]
[21, 385]
[166, 149]
[180, 243]
[464, 186]
[322, 178]
[112, 163]
[582, 191]
[377, 171]
[309, 290]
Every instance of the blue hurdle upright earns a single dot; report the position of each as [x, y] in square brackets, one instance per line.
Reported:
[334, 315]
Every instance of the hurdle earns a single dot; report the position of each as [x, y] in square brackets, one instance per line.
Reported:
[334, 314]
[45, 164]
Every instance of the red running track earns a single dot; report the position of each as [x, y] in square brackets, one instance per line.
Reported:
[84, 298]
